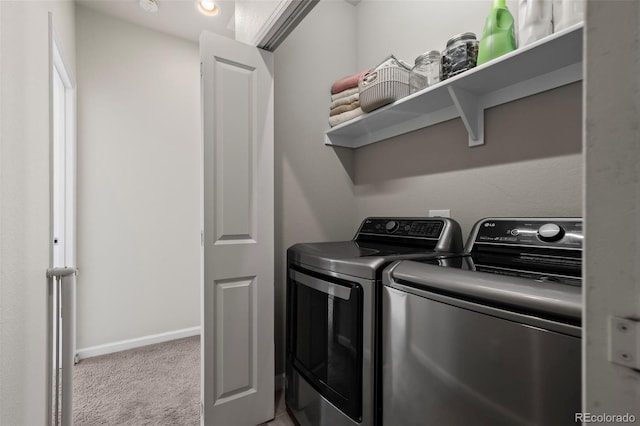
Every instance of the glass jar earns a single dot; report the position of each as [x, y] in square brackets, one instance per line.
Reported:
[425, 72]
[460, 55]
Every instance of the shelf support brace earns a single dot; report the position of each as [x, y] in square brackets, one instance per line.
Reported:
[471, 112]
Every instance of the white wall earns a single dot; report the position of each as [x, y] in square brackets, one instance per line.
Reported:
[531, 163]
[530, 166]
[313, 190]
[408, 28]
[24, 200]
[139, 180]
[612, 200]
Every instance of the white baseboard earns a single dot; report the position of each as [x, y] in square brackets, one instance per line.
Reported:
[280, 381]
[123, 345]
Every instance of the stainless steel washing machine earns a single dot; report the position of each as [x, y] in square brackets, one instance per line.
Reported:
[492, 339]
[333, 315]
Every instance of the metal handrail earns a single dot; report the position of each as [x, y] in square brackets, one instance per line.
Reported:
[61, 272]
[62, 298]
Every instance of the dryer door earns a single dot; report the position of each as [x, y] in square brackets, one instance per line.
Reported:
[325, 344]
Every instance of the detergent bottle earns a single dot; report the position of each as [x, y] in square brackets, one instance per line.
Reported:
[498, 36]
[535, 20]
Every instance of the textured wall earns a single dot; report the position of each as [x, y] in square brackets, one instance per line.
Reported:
[313, 190]
[408, 28]
[531, 163]
[139, 180]
[24, 200]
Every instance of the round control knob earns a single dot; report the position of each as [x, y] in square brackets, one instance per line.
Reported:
[550, 232]
[391, 226]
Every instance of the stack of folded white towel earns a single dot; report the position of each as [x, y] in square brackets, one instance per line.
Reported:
[345, 100]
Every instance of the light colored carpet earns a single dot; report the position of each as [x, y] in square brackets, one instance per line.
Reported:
[154, 385]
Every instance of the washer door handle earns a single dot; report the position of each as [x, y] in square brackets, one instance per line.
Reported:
[321, 285]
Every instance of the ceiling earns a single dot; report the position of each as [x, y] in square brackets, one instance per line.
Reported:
[176, 17]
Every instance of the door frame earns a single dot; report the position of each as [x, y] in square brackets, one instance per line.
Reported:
[60, 65]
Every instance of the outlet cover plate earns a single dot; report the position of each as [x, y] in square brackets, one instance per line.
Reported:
[440, 213]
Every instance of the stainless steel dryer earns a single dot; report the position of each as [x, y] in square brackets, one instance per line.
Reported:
[333, 315]
[492, 339]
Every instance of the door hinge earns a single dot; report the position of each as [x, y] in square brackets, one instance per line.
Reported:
[202, 238]
[201, 72]
[624, 342]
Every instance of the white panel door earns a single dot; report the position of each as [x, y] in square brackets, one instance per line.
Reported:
[237, 323]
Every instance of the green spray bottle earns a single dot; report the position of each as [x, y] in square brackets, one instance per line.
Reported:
[499, 35]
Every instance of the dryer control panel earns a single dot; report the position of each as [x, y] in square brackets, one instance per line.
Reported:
[403, 227]
[432, 233]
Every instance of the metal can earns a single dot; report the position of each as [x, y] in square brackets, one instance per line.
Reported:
[460, 55]
[425, 72]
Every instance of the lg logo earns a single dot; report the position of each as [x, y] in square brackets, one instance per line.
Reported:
[489, 225]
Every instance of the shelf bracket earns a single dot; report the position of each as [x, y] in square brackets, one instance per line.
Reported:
[471, 113]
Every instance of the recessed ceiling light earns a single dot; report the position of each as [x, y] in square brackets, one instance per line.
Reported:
[149, 5]
[207, 7]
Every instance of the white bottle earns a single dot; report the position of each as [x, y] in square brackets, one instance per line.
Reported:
[535, 20]
[567, 13]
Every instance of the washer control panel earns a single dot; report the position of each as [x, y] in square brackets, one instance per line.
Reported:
[561, 233]
[403, 227]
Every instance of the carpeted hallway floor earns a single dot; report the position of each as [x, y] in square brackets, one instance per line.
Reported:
[154, 385]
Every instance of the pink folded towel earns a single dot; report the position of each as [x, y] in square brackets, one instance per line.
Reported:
[347, 82]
